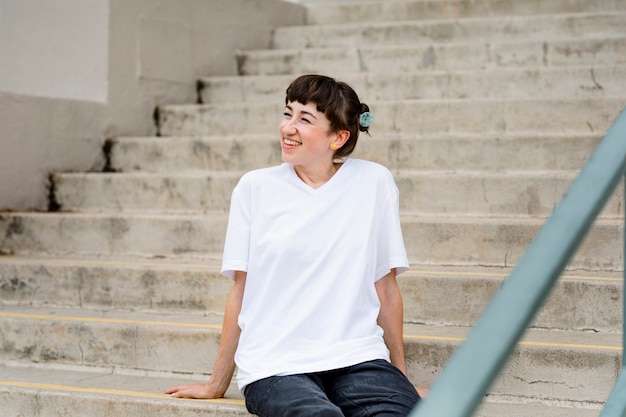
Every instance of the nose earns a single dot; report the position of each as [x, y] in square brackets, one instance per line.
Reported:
[287, 126]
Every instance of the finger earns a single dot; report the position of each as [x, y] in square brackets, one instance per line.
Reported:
[182, 394]
[179, 394]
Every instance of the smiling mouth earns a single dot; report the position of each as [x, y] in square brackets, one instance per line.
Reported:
[291, 142]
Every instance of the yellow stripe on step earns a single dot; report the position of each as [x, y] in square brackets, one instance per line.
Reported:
[107, 320]
[524, 343]
[70, 388]
[98, 262]
[213, 267]
[504, 275]
[217, 327]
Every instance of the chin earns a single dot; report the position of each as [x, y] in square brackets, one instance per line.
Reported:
[285, 157]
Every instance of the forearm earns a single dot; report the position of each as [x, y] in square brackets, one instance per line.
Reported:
[224, 365]
[390, 319]
[395, 343]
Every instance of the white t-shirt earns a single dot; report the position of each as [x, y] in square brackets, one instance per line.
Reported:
[312, 257]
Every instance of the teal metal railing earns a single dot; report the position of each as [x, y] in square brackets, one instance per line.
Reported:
[475, 365]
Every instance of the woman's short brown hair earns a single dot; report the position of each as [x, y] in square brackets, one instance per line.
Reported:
[337, 100]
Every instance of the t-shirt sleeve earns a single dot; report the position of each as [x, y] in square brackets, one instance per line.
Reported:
[237, 242]
[391, 252]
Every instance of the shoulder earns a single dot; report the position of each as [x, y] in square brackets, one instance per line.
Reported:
[378, 178]
[262, 175]
[370, 169]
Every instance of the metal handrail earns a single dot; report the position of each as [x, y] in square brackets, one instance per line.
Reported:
[475, 365]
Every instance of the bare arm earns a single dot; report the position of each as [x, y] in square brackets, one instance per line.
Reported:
[390, 318]
[224, 366]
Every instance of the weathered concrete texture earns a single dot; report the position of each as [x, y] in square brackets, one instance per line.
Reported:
[590, 373]
[418, 116]
[229, 119]
[477, 56]
[559, 371]
[345, 12]
[114, 395]
[206, 191]
[579, 301]
[104, 392]
[510, 83]
[429, 240]
[502, 241]
[234, 153]
[470, 193]
[592, 25]
[496, 152]
[508, 409]
[176, 343]
[34, 402]
[71, 79]
[113, 234]
[545, 374]
[114, 283]
[157, 342]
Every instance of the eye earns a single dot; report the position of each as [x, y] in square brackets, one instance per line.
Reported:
[286, 115]
[305, 120]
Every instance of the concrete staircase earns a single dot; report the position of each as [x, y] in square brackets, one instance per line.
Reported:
[485, 111]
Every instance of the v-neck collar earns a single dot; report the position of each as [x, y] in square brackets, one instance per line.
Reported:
[312, 190]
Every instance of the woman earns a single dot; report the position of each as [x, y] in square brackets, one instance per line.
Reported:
[314, 318]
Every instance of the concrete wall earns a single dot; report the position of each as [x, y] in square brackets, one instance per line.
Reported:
[74, 72]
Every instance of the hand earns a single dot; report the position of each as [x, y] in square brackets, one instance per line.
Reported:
[200, 391]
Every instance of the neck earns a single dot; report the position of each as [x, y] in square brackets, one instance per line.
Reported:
[317, 176]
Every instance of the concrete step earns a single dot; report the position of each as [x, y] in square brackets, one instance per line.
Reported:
[409, 116]
[583, 301]
[453, 151]
[114, 282]
[463, 193]
[571, 366]
[435, 56]
[124, 234]
[175, 154]
[166, 192]
[502, 83]
[95, 392]
[477, 193]
[442, 30]
[46, 391]
[580, 301]
[381, 11]
[501, 241]
[151, 342]
[429, 240]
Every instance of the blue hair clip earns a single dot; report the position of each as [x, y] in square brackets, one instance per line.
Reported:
[366, 119]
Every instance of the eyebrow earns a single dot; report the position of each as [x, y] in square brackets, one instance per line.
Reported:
[302, 111]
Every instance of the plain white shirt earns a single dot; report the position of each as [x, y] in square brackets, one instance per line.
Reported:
[312, 257]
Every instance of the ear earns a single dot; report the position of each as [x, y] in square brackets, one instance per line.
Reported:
[341, 138]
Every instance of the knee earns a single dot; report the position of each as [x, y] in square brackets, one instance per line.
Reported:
[293, 396]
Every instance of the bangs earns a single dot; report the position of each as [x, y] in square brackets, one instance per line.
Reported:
[321, 90]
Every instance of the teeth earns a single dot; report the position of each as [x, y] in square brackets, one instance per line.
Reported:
[291, 142]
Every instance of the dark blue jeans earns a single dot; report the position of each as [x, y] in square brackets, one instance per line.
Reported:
[375, 388]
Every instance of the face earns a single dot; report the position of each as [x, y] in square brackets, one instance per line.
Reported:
[306, 139]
